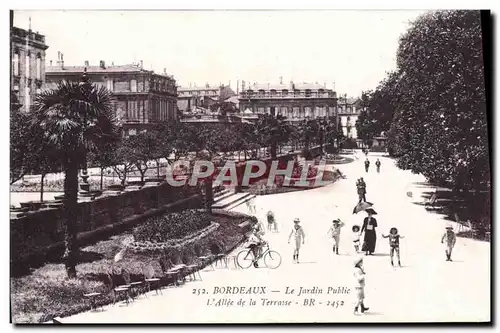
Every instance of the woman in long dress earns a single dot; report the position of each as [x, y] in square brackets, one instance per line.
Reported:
[370, 238]
[299, 235]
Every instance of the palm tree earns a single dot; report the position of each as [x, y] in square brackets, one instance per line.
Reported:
[76, 117]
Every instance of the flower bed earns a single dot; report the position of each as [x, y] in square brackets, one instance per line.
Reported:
[148, 247]
[171, 226]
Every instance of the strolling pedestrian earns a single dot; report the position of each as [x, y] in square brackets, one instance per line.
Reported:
[355, 238]
[361, 188]
[299, 236]
[394, 238]
[449, 239]
[334, 232]
[359, 276]
[370, 236]
[377, 164]
[367, 164]
[270, 221]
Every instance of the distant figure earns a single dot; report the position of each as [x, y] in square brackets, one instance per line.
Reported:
[377, 164]
[299, 235]
[359, 275]
[271, 222]
[394, 244]
[361, 188]
[449, 239]
[367, 165]
[355, 237]
[334, 232]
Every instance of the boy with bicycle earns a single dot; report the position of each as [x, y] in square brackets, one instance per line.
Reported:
[255, 243]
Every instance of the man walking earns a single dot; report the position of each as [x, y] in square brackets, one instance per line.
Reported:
[361, 187]
[367, 164]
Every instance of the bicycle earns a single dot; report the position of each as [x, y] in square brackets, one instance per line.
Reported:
[272, 259]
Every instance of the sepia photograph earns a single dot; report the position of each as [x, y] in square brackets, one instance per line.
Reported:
[250, 166]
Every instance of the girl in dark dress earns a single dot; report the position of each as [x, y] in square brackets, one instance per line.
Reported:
[370, 238]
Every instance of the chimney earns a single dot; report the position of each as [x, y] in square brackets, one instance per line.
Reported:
[164, 71]
[242, 85]
[207, 85]
[237, 87]
[141, 64]
[86, 63]
[102, 64]
[60, 60]
[281, 79]
[112, 63]
[50, 62]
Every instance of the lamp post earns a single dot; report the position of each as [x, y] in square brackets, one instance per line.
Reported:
[84, 185]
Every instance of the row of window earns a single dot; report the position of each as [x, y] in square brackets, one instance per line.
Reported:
[133, 86]
[16, 65]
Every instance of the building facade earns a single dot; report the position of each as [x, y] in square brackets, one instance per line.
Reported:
[349, 109]
[190, 98]
[294, 101]
[27, 65]
[142, 98]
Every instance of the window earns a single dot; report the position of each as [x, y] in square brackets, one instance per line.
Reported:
[284, 92]
[16, 63]
[132, 131]
[308, 93]
[133, 85]
[109, 84]
[27, 100]
[28, 59]
[38, 67]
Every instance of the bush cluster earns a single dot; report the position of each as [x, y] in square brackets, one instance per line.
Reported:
[172, 226]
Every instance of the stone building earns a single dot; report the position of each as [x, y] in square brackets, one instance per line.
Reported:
[190, 98]
[295, 101]
[142, 97]
[27, 64]
[349, 109]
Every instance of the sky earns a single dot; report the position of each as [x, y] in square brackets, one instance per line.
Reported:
[349, 51]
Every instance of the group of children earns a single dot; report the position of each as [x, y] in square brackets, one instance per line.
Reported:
[448, 238]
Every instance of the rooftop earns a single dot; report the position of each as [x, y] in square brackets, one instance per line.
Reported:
[287, 86]
[131, 68]
[197, 88]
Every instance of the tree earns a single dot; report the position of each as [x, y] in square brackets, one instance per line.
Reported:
[272, 131]
[73, 116]
[123, 161]
[103, 158]
[21, 143]
[439, 127]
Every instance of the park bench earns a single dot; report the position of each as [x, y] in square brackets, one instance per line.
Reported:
[431, 202]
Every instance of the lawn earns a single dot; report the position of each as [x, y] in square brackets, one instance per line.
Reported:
[46, 292]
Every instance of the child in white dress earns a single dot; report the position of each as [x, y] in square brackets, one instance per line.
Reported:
[334, 232]
[299, 235]
[355, 238]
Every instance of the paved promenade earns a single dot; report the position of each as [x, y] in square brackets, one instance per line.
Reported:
[426, 288]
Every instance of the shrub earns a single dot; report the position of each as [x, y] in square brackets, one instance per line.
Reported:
[171, 226]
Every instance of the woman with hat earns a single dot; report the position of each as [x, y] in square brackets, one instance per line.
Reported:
[359, 275]
[449, 239]
[334, 232]
[370, 238]
[299, 235]
[394, 243]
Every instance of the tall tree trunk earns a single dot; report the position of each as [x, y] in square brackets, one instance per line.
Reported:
[41, 186]
[273, 150]
[102, 178]
[209, 194]
[70, 213]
